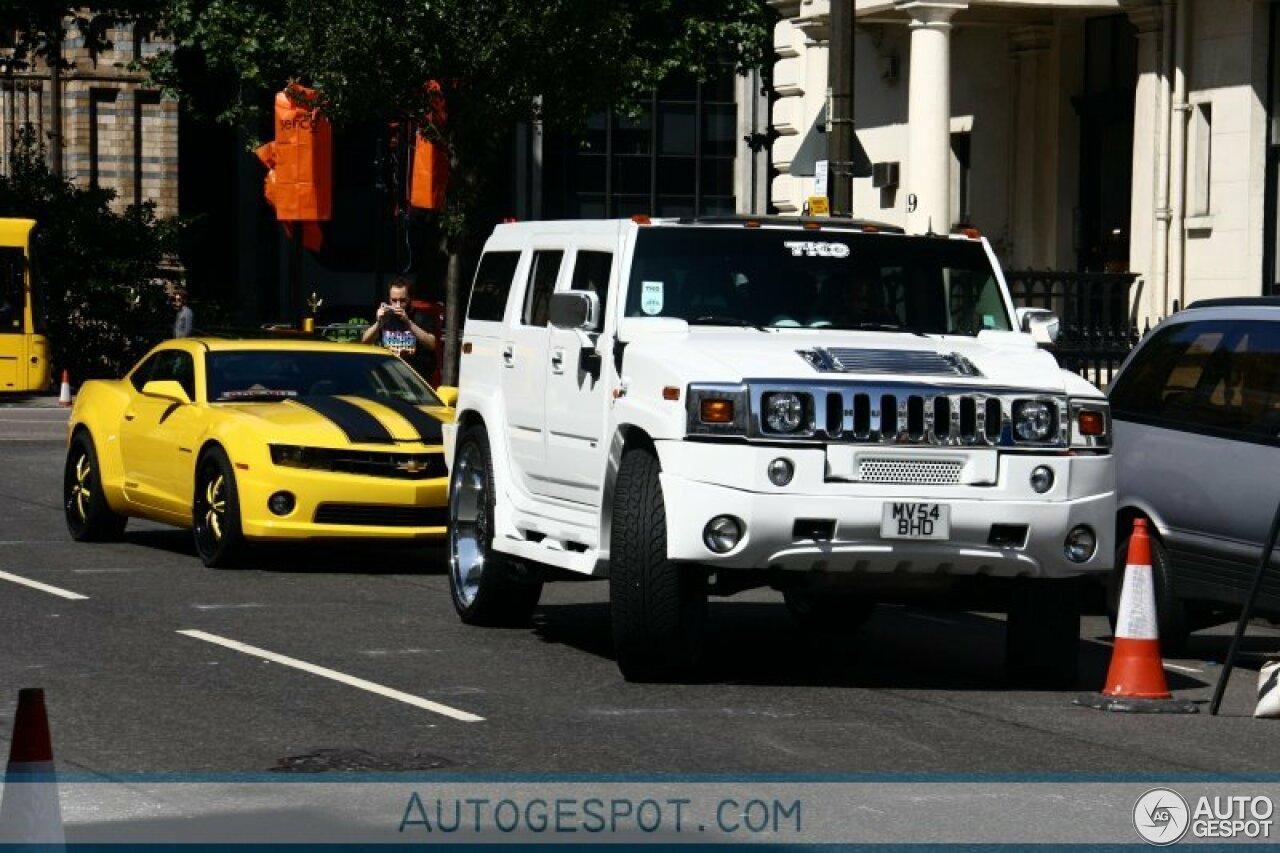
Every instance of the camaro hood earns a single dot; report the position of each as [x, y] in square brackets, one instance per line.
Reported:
[1002, 359]
[338, 421]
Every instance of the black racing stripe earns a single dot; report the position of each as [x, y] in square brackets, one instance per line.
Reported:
[360, 426]
[427, 427]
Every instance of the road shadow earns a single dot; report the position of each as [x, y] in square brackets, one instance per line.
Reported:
[757, 643]
[344, 556]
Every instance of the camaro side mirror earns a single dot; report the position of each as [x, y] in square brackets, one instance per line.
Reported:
[574, 309]
[448, 395]
[166, 389]
[1041, 323]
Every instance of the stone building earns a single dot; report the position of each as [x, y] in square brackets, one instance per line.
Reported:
[1077, 134]
[100, 122]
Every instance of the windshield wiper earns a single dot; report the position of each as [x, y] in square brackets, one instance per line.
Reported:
[879, 327]
[723, 320]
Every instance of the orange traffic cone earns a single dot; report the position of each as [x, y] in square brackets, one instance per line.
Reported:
[64, 395]
[1135, 680]
[29, 810]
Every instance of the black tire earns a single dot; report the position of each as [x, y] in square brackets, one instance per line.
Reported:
[487, 587]
[658, 608]
[1173, 620]
[828, 612]
[1042, 634]
[215, 512]
[89, 516]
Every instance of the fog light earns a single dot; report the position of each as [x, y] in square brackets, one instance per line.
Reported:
[722, 534]
[1080, 544]
[1042, 479]
[281, 503]
[781, 471]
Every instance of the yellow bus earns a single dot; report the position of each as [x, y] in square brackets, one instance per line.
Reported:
[24, 349]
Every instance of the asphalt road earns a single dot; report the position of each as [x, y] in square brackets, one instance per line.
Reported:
[914, 692]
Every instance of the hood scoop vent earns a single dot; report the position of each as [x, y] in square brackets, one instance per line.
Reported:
[901, 362]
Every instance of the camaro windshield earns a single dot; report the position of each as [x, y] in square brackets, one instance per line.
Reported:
[246, 375]
[815, 279]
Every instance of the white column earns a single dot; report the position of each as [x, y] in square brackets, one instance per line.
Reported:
[1146, 111]
[928, 186]
[1029, 143]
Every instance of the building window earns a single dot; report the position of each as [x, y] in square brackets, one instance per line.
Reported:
[1199, 158]
[675, 158]
[960, 175]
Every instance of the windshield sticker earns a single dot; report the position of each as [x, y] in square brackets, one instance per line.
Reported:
[988, 321]
[651, 297]
[811, 249]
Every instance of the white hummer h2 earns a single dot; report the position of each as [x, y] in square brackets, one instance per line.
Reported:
[835, 409]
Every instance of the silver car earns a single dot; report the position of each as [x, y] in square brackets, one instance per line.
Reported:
[1196, 409]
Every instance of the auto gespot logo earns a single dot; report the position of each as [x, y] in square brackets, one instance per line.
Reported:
[1162, 816]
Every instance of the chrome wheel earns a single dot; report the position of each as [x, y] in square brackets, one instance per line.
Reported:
[215, 512]
[88, 515]
[468, 522]
[81, 491]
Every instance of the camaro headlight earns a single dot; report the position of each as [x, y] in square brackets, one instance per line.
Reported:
[290, 455]
[1033, 420]
[783, 411]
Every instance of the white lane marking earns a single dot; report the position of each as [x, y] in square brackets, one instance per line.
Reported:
[44, 587]
[225, 606]
[416, 701]
[1182, 668]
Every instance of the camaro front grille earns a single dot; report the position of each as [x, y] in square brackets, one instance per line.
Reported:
[372, 463]
[378, 515]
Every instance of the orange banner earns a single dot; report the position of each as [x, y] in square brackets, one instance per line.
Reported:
[430, 176]
[299, 183]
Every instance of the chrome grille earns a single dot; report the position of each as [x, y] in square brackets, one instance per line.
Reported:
[900, 362]
[906, 473]
[903, 413]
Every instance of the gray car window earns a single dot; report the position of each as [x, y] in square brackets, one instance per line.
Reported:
[1218, 376]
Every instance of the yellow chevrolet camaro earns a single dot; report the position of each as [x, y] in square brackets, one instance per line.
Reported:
[245, 441]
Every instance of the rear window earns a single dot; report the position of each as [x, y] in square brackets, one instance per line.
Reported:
[491, 286]
[1215, 376]
[815, 279]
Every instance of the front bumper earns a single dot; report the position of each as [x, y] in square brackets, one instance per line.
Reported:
[354, 506]
[1083, 494]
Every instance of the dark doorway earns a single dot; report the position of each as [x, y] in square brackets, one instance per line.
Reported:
[1106, 144]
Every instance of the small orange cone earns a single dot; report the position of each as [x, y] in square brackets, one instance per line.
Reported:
[1135, 680]
[29, 811]
[64, 396]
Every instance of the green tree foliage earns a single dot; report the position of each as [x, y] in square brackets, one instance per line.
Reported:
[95, 267]
[499, 62]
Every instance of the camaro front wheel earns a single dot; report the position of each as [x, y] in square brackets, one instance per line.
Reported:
[216, 512]
[89, 516]
[487, 587]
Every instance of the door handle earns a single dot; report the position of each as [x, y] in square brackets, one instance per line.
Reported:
[557, 360]
[508, 356]
[128, 416]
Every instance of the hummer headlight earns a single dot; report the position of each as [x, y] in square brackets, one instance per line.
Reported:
[783, 411]
[1033, 420]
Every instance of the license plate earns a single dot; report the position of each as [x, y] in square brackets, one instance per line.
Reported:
[916, 521]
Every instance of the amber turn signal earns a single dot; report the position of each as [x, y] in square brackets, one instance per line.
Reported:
[1092, 423]
[671, 393]
[716, 411]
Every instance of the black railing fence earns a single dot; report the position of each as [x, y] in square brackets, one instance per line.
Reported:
[1097, 324]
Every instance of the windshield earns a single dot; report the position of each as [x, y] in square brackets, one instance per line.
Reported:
[814, 279]
[241, 375]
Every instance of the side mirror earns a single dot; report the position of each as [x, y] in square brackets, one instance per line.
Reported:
[1041, 323]
[166, 389]
[574, 309]
[448, 395]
